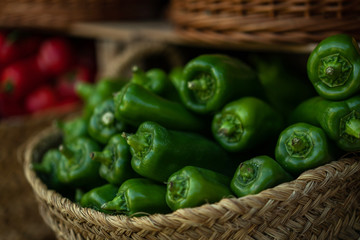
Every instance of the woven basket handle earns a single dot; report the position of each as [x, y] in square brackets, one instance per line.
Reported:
[135, 53]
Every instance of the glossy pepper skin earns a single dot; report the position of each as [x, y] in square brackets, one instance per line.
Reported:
[333, 67]
[158, 152]
[244, 123]
[193, 186]
[135, 104]
[339, 119]
[212, 80]
[138, 196]
[115, 161]
[93, 94]
[96, 197]
[76, 167]
[257, 174]
[72, 129]
[103, 124]
[302, 146]
[154, 79]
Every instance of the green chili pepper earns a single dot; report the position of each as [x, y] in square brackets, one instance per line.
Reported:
[154, 79]
[98, 196]
[115, 161]
[135, 104]
[103, 124]
[245, 123]
[94, 94]
[176, 76]
[76, 168]
[210, 81]
[302, 146]
[257, 174]
[158, 152]
[339, 119]
[193, 186]
[47, 169]
[72, 129]
[138, 196]
[334, 67]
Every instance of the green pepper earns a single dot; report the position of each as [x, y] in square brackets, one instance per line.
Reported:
[193, 186]
[176, 76]
[98, 196]
[245, 123]
[76, 168]
[257, 174]
[212, 80]
[302, 146]
[73, 128]
[333, 67]
[158, 152]
[154, 79]
[103, 124]
[93, 94]
[47, 169]
[115, 161]
[135, 104]
[138, 196]
[339, 119]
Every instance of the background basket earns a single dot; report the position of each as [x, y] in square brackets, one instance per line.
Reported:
[233, 22]
[323, 203]
[59, 14]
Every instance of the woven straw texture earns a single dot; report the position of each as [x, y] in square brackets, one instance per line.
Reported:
[323, 203]
[234, 22]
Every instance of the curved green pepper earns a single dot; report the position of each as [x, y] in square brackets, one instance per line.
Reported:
[212, 80]
[257, 174]
[72, 129]
[103, 124]
[334, 67]
[302, 146]
[76, 168]
[135, 104]
[115, 161]
[193, 186]
[154, 79]
[98, 196]
[138, 196]
[245, 123]
[158, 152]
[339, 119]
[93, 94]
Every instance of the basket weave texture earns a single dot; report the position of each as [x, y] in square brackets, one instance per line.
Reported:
[323, 203]
[264, 21]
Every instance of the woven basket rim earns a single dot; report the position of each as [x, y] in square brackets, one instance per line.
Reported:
[347, 165]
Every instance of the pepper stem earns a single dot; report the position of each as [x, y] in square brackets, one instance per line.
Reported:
[38, 167]
[227, 128]
[298, 144]
[247, 172]
[138, 76]
[118, 204]
[101, 157]
[138, 142]
[9, 87]
[352, 127]
[67, 152]
[198, 84]
[108, 118]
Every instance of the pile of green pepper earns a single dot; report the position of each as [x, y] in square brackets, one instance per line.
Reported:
[211, 129]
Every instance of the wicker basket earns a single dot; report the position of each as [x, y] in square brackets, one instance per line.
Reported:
[234, 22]
[323, 203]
[59, 14]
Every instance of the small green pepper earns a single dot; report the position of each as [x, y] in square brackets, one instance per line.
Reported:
[154, 79]
[135, 104]
[158, 152]
[47, 169]
[245, 123]
[212, 80]
[302, 146]
[73, 128]
[138, 196]
[334, 67]
[115, 161]
[103, 124]
[193, 186]
[93, 94]
[76, 168]
[98, 196]
[257, 174]
[339, 119]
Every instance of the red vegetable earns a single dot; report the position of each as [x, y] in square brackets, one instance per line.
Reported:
[55, 56]
[42, 98]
